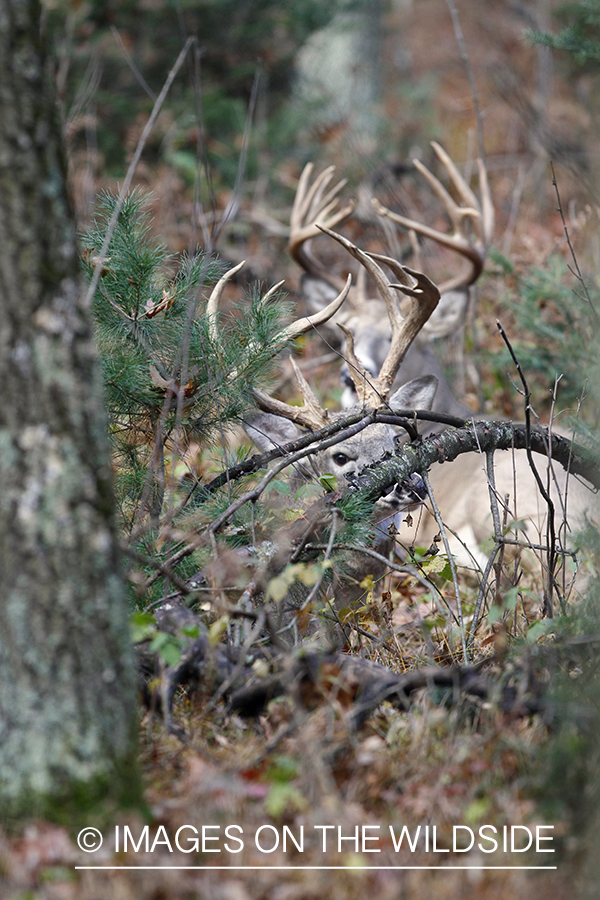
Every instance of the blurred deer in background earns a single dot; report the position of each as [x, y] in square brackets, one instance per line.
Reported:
[461, 487]
[316, 210]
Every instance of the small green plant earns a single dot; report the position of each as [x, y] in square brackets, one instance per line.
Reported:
[554, 333]
[170, 376]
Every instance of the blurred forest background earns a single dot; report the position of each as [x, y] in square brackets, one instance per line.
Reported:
[269, 86]
[265, 87]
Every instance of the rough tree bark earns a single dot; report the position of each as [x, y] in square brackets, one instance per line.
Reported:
[67, 687]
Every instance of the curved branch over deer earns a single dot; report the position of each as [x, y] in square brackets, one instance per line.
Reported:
[391, 366]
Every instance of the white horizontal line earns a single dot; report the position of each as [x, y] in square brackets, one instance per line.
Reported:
[296, 868]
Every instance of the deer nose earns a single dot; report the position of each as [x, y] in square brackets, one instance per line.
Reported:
[409, 493]
[413, 488]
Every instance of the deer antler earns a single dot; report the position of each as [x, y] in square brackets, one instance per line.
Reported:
[479, 214]
[287, 334]
[425, 297]
[311, 414]
[313, 208]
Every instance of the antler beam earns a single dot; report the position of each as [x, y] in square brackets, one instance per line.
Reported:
[287, 334]
[310, 414]
[425, 296]
[314, 207]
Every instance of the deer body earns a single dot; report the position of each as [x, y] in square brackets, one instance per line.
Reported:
[462, 488]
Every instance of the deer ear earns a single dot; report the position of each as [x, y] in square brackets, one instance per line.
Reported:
[416, 394]
[266, 430]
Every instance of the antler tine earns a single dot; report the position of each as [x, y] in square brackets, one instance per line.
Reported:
[309, 200]
[480, 214]
[458, 242]
[319, 318]
[425, 297]
[362, 379]
[461, 186]
[311, 414]
[312, 206]
[292, 331]
[212, 306]
[487, 205]
[368, 262]
[271, 293]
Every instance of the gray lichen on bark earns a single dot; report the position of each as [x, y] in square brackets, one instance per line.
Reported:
[67, 696]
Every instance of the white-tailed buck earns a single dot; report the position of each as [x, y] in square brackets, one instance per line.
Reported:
[276, 423]
[317, 209]
[461, 487]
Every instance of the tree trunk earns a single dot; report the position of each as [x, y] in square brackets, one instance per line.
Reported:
[67, 688]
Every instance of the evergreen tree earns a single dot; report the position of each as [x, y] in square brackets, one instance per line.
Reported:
[170, 375]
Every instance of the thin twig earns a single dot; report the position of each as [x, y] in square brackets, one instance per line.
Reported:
[472, 84]
[451, 560]
[552, 555]
[317, 586]
[128, 58]
[577, 272]
[131, 170]
[234, 201]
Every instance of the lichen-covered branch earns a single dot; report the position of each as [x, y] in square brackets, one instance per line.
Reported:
[476, 437]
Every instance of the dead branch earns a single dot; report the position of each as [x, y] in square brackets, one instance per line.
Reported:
[312, 677]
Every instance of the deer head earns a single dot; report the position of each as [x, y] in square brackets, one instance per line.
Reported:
[316, 210]
[278, 423]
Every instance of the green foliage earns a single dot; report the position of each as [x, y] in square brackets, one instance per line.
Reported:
[208, 109]
[580, 37]
[168, 376]
[168, 646]
[283, 796]
[568, 781]
[357, 524]
[553, 335]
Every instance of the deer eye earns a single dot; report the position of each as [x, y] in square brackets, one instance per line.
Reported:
[340, 459]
